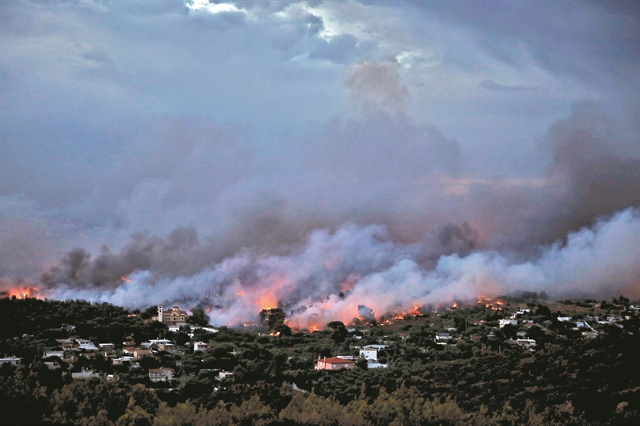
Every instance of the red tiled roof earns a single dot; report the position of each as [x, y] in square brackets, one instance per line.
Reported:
[335, 360]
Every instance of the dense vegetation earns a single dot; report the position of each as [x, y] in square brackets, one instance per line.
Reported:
[483, 379]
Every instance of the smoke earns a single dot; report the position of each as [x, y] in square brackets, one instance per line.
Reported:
[359, 272]
[377, 86]
[368, 214]
[592, 172]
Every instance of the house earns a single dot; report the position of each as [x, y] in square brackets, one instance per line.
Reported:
[506, 321]
[106, 346]
[129, 350]
[200, 346]
[443, 336]
[67, 344]
[224, 375]
[378, 347]
[334, 363]
[52, 365]
[11, 360]
[369, 353]
[373, 364]
[87, 347]
[160, 374]
[168, 347]
[564, 319]
[84, 374]
[159, 341]
[528, 343]
[59, 354]
[142, 353]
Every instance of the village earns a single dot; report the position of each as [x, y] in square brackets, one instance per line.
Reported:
[453, 331]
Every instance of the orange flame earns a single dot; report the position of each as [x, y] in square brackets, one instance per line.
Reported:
[240, 293]
[22, 293]
[267, 301]
[494, 305]
[125, 280]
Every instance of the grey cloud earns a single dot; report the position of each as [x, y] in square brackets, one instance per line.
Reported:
[492, 85]
[378, 86]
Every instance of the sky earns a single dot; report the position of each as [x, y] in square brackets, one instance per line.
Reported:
[239, 155]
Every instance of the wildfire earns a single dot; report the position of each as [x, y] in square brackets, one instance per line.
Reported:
[22, 293]
[125, 280]
[454, 305]
[415, 311]
[267, 301]
[495, 305]
[240, 293]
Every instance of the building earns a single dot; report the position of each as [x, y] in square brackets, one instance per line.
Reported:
[84, 374]
[527, 343]
[369, 353]
[334, 363]
[11, 360]
[142, 353]
[200, 346]
[172, 317]
[505, 321]
[224, 375]
[160, 374]
[87, 347]
[168, 347]
[443, 336]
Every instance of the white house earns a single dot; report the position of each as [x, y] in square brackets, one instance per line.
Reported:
[86, 345]
[200, 346]
[224, 375]
[378, 347]
[369, 353]
[528, 343]
[158, 341]
[59, 354]
[160, 374]
[11, 360]
[84, 374]
[373, 364]
[443, 336]
[506, 321]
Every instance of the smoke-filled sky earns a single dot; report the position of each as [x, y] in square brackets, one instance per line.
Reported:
[254, 153]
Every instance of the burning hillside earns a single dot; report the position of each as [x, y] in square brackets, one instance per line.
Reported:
[360, 275]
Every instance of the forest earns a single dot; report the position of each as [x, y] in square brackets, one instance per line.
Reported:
[479, 378]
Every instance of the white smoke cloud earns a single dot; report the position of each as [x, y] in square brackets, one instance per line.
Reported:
[369, 270]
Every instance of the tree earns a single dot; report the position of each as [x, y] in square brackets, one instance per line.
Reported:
[151, 311]
[199, 317]
[273, 318]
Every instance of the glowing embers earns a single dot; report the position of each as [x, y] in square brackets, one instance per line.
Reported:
[415, 311]
[21, 293]
[124, 280]
[495, 305]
